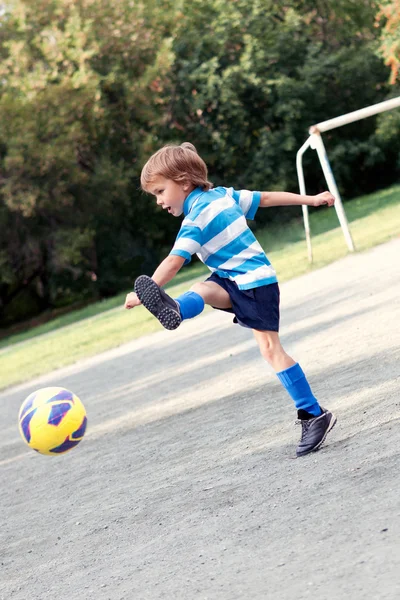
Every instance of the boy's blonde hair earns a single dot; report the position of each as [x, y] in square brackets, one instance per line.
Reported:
[179, 163]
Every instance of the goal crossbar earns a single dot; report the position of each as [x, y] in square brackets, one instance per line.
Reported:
[356, 115]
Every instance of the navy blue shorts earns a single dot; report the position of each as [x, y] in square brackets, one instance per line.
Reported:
[257, 308]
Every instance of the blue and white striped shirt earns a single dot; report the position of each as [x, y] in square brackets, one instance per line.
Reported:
[215, 228]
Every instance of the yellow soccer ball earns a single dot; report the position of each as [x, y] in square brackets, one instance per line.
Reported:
[52, 420]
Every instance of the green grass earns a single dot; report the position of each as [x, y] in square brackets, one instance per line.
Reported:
[373, 219]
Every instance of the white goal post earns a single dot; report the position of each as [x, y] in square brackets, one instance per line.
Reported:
[315, 142]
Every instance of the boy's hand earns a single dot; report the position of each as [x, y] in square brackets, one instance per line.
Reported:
[324, 198]
[132, 300]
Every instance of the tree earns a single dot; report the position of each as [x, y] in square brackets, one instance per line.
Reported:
[389, 14]
[80, 88]
[90, 88]
[249, 78]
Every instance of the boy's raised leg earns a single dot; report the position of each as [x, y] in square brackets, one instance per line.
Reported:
[169, 311]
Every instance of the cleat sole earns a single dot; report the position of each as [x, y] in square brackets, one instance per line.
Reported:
[150, 296]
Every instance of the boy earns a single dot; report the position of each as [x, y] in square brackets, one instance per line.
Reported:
[242, 282]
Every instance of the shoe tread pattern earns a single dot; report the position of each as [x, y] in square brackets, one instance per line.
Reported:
[149, 294]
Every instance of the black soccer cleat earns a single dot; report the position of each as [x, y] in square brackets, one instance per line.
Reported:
[314, 430]
[162, 306]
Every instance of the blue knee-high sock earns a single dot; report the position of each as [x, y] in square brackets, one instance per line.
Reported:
[191, 304]
[295, 382]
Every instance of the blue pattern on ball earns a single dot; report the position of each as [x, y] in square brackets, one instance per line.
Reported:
[58, 412]
[62, 395]
[79, 433]
[65, 395]
[27, 405]
[66, 445]
[25, 422]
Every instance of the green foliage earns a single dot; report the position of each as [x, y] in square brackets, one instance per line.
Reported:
[260, 73]
[389, 14]
[89, 89]
[77, 96]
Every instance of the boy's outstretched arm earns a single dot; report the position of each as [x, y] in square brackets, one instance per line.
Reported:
[162, 275]
[168, 269]
[289, 199]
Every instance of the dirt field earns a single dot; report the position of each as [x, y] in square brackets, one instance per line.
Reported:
[186, 485]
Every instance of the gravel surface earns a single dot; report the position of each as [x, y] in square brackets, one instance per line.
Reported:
[186, 485]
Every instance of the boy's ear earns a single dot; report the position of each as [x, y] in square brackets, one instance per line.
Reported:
[185, 185]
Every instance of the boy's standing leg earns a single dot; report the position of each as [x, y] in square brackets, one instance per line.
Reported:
[316, 421]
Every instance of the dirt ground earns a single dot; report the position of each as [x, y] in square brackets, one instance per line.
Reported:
[186, 485]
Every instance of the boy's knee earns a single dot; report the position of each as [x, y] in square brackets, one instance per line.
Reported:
[197, 287]
[212, 294]
[267, 353]
[269, 349]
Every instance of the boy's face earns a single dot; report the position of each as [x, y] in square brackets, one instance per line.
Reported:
[170, 195]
